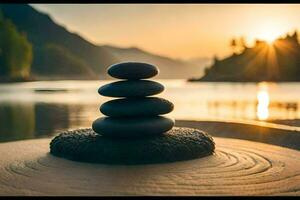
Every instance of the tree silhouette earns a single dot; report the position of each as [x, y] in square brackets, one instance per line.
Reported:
[262, 62]
[243, 43]
[233, 44]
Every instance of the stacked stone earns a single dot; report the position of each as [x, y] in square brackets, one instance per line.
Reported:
[135, 114]
[123, 134]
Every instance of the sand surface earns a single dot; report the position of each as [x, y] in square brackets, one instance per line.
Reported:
[238, 167]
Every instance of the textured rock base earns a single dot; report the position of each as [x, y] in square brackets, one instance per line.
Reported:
[175, 145]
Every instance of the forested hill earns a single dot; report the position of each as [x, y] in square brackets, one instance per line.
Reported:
[279, 61]
[60, 54]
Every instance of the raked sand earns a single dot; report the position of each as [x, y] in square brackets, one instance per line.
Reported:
[238, 167]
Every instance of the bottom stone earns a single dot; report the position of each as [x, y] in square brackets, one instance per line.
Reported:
[175, 145]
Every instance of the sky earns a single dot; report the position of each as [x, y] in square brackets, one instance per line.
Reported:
[181, 31]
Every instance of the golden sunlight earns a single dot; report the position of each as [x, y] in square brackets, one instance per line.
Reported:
[269, 32]
[269, 37]
[263, 102]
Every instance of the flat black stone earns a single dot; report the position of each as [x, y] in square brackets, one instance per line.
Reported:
[132, 70]
[177, 144]
[137, 88]
[133, 107]
[132, 126]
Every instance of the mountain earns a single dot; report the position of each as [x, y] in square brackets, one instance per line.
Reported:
[61, 54]
[279, 61]
[169, 68]
[43, 32]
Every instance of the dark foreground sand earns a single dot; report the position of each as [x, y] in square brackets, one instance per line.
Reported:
[270, 133]
[238, 167]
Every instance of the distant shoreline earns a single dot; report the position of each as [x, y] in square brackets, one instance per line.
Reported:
[32, 79]
[238, 81]
[17, 80]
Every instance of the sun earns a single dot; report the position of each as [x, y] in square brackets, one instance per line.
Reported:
[269, 32]
[269, 37]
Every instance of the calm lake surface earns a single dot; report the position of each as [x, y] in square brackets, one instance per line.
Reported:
[41, 109]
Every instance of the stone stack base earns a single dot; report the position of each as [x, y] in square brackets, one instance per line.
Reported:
[175, 145]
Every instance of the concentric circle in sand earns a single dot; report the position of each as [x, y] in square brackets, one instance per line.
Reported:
[238, 167]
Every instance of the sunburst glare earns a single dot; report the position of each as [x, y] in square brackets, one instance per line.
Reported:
[269, 31]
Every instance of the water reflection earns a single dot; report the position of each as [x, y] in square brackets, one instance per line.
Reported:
[261, 109]
[29, 120]
[263, 101]
[17, 121]
[25, 112]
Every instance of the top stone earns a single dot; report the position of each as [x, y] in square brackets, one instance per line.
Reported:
[132, 70]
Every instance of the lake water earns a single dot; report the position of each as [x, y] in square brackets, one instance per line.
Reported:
[41, 109]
